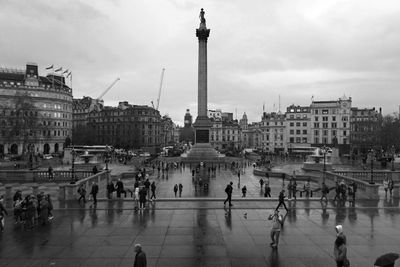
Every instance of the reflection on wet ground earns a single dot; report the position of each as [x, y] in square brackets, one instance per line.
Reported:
[190, 232]
[200, 234]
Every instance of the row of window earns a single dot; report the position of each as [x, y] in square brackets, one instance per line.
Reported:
[325, 132]
[298, 132]
[325, 125]
[325, 140]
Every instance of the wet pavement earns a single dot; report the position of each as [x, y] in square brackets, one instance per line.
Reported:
[196, 230]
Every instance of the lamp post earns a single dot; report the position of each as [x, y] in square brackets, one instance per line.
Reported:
[393, 152]
[107, 157]
[324, 150]
[73, 166]
[371, 153]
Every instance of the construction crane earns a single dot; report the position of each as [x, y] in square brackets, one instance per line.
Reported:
[159, 91]
[108, 88]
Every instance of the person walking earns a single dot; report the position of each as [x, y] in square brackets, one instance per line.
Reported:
[110, 189]
[244, 191]
[277, 221]
[94, 191]
[267, 191]
[307, 188]
[176, 189]
[238, 174]
[228, 191]
[147, 186]
[390, 186]
[386, 185]
[3, 213]
[140, 257]
[324, 192]
[294, 187]
[289, 188]
[180, 189]
[120, 188]
[282, 200]
[82, 193]
[51, 173]
[337, 191]
[340, 249]
[142, 198]
[261, 183]
[153, 190]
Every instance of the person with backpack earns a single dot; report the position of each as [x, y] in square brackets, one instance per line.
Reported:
[282, 200]
[277, 222]
[228, 191]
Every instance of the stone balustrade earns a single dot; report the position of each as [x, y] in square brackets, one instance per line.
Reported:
[378, 175]
[38, 176]
[70, 191]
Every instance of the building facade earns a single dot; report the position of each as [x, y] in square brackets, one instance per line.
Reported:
[273, 132]
[365, 129]
[127, 126]
[298, 128]
[330, 123]
[35, 111]
[187, 132]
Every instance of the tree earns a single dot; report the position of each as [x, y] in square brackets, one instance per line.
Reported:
[23, 121]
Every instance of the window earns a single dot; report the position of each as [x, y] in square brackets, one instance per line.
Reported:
[291, 140]
[298, 132]
[298, 139]
[304, 140]
[304, 124]
[316, 132]
[334, 125]
[334, 132]
[325, 125]
[344, 125]
[316, 125]
[291, 131]
[298, 124]
[316, 140]
[325, 140]
[344, 141]
[344, 133]
[316, 118]
[333, 118]
[316, 111]
[304, 131]
[345, 118]
[325, 111]
[325, 132]
[324, 118]
[291, 124]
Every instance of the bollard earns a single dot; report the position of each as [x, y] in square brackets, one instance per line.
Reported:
[8, 195]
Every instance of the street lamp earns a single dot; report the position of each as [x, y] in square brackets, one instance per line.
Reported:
[393, 152]
[73, 166]
[371, 153]
[107, 157]
[324, 151]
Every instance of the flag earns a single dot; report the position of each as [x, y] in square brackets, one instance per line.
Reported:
[49, 68]
[59, 69]
[65, 71]
[69, 74]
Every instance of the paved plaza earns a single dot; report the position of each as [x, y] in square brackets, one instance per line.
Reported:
[197, 230]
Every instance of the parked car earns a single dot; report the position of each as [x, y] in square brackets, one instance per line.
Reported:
[144, 154]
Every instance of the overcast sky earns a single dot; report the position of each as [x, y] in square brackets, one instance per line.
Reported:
[257, 50]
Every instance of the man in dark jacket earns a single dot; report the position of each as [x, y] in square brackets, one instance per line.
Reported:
[228, 191]
[147, 186]
[153, 190]
[142, 198]
[140, 257]
[120, 188]
[110, 189]
[94, 191]
[282, 200]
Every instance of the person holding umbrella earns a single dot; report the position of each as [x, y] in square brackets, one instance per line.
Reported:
[386, 260]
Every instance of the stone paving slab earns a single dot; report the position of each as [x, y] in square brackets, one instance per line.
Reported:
[199, 237]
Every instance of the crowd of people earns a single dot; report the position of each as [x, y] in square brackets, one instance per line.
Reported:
[29, 211]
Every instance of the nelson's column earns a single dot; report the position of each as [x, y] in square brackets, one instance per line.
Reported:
[202, 151]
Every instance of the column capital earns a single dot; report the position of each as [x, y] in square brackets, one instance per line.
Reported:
[202, 34]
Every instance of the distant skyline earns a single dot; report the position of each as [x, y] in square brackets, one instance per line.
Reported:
[258, 51]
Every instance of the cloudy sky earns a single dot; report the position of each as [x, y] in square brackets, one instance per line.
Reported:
[258, 51]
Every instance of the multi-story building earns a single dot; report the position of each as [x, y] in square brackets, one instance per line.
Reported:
[330, 123]
[127, 126]
[81, 108]
[365, 129]
[225, 132]
[168, 131]
[298, 127]
[273, 136]
[35, 111]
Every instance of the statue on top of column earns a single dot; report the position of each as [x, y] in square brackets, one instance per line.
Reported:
[202, 19]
